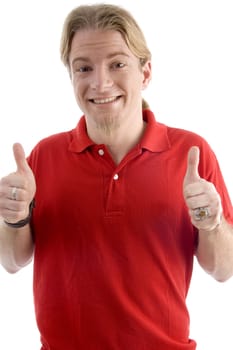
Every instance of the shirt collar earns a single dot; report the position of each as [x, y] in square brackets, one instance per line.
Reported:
[155, 138]
[80, 139]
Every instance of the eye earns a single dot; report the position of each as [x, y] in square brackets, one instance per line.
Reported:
[118, 65]
[82, 69]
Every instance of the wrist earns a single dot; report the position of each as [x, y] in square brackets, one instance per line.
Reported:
[214, 227]
[23, 222]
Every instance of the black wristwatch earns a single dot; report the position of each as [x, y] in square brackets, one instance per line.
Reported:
[25, 221]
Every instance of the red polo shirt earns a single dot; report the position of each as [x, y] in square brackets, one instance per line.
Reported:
[114, 245]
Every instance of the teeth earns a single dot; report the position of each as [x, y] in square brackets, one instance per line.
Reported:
[105, 100]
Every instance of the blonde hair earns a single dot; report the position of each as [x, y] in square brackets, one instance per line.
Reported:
[104, 17]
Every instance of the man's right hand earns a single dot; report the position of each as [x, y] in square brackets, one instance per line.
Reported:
[17, 189]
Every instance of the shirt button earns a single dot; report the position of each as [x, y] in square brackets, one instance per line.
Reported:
[101, 152]
[116, 177]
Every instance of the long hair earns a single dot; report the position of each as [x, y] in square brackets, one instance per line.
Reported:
[104, 17]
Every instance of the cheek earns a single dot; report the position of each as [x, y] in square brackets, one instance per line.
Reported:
[137, 86]
[136, 81]
[80, 85]
[77, 92]
[77, 87]
[80, 90]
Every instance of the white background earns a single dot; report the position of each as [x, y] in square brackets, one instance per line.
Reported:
[192, 88]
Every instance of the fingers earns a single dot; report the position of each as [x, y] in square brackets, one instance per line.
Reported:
[193, 185]
[17, 189]
[16, 193]
[192, 174]
[201, 196]
[20, 159]
[208, 216]
[24, 172]
[13, 211]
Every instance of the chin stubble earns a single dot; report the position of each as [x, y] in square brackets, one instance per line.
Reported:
[108, 124]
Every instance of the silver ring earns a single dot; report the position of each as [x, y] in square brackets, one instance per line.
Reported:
[14, 193]
[201, 213]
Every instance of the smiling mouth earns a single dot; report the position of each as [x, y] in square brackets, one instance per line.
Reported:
[99, 101]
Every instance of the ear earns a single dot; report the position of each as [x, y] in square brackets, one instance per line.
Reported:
[147, 74]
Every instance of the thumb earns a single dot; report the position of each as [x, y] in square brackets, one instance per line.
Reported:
[20, 159]
[192, 174]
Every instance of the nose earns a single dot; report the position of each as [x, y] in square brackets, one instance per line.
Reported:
[101, 79]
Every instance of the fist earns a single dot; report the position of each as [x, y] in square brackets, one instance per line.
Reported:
[201, 196]
[17, 189]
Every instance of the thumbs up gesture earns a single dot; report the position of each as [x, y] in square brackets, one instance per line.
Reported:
[201, 196]
[17, 190]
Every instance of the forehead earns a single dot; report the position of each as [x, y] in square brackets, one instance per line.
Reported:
[97, 42]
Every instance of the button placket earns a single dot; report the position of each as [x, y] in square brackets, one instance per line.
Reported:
[101, 152]
[115, 177]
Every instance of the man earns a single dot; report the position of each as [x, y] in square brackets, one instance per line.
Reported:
[118, 206]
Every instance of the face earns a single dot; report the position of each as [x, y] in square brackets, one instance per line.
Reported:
[107, 79]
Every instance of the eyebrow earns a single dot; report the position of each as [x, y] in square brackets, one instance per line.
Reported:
[87, 59]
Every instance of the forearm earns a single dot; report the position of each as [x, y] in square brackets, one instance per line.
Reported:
[215, 251]
[16, 247]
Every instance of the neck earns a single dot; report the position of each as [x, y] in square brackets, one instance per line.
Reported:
[120, 141]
